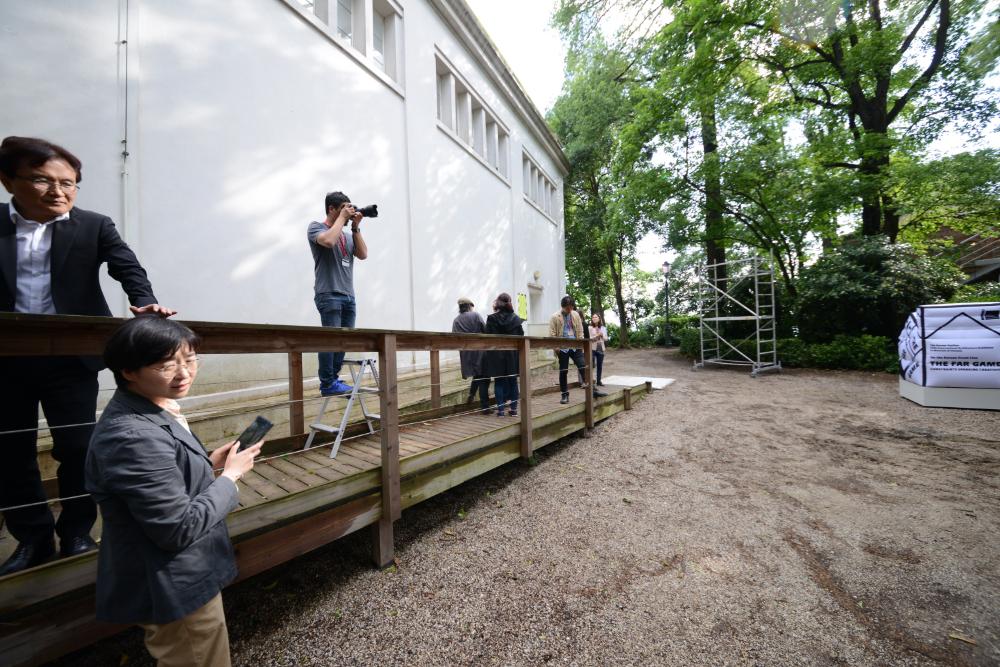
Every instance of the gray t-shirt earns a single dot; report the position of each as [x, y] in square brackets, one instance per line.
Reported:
[334, 267]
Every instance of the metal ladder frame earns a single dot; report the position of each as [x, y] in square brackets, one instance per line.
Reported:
[760, 274]
[357, 368]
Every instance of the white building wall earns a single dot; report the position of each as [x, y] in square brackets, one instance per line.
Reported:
[239, 117]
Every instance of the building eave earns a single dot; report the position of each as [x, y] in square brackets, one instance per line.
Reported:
[467, 28]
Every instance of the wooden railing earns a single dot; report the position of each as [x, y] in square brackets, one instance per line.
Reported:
[48, 335]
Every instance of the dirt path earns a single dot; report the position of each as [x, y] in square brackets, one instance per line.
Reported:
[800, 518]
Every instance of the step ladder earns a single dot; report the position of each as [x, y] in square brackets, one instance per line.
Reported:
[358, 370]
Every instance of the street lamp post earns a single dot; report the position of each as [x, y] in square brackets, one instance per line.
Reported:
[665, 269]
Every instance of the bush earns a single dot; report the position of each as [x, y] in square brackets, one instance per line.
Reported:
[690, 342]
[976, 292]
[868, 287]
[649, 332]
[864, 353]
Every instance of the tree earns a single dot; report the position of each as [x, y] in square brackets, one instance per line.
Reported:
[886, 77]
[869, 286]
[960, 193]
[729, 175]
[866, 83]
[610, 202]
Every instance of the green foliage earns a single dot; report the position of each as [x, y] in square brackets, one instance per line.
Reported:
[689, 342]
[776, 122]
[975, 293]
[611, 199]
[869, 286]
[864, 353]
[777, 127]
[959, 193]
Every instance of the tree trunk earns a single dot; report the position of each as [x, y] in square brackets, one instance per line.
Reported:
[597, 301]
[890, 217]
[616, 279]
[715, 251]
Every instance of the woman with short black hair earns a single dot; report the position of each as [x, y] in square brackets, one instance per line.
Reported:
[502, 365]
[165, 551]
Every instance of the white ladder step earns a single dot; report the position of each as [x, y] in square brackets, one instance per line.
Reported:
[325, 428]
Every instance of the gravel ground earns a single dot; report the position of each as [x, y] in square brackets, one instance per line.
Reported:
[797, 518]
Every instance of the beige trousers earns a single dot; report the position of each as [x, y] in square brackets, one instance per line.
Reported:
[200, 639]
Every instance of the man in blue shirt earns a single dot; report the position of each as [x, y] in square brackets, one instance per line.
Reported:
[334, 248]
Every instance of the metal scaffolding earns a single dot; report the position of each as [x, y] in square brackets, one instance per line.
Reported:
[734, 298]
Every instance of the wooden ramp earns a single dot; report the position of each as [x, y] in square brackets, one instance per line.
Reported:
[297, 501]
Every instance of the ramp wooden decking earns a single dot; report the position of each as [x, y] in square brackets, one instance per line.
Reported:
[295, 501]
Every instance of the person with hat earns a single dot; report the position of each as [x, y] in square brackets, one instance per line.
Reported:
[469, 321]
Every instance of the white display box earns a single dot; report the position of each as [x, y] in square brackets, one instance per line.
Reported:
[950, 397]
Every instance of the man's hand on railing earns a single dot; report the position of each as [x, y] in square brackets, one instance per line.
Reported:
[153, 308]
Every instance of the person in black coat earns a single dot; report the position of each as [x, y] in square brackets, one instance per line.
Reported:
[502, 365]
[469, 321]
[165, 550]
[50, 259]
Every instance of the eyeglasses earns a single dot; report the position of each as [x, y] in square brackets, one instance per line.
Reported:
[171, 368]
[43, 184]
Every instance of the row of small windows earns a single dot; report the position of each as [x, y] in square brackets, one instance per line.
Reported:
[459, 108]
[352, 21]
[538, 187]
[462, 111]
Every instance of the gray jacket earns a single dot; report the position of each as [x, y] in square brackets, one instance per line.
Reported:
[472, 360]
[165, 549]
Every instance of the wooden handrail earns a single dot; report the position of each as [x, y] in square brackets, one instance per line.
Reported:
[24, 334]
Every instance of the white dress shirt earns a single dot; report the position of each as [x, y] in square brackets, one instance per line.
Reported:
[34, 262]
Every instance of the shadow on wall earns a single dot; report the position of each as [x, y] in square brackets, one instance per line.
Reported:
[245, 119]
[271, 116]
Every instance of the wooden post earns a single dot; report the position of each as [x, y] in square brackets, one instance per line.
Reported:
[627, 393]
[524, 368]
[296, 409]
[435, 379]
[382, 543]
[588, 347]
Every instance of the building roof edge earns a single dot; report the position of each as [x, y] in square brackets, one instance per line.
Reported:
[459, 15]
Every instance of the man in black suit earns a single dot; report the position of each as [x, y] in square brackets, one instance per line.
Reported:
[50, 259]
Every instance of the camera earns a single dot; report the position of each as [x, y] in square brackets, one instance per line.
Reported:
[370, 211]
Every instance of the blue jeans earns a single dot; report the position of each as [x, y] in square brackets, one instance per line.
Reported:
[335, 310]
[506, 390]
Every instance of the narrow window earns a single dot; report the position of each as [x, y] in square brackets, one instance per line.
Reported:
[378, 40]
[446, 99]
[502, 150]
[463, 112]
[480, 128]
[491, 144]
[344, 18]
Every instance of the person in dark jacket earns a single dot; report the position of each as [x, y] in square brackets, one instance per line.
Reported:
[51, 255]
[165, 551]
[469, 321]
[502, 365]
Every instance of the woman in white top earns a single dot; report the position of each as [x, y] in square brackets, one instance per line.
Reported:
[599, 334]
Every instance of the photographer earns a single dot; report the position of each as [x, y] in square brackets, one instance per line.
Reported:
[334, 248]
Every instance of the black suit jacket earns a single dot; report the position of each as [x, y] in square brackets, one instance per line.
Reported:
[165, 548]
[79, 246]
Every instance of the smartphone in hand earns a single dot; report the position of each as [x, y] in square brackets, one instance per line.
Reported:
[254, 433]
